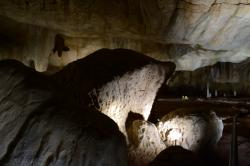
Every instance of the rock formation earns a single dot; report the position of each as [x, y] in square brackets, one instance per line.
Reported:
[115, 82]
[40, 126]
[145, 143]
[193, 130]
[200, 33]
[223, 79]
[48, 35]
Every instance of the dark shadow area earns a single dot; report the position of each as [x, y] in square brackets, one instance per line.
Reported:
[59, 45]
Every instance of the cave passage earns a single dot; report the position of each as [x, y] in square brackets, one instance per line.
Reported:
[124, 82]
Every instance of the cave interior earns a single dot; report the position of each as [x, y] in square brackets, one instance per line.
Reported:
[124, 82]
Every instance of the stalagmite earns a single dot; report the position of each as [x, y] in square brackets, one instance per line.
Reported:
[208, 91]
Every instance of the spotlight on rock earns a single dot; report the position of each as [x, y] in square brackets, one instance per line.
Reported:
[174, 135]
[194, 130]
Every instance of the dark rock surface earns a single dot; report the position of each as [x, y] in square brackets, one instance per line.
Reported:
[40, 126]
[176, 156]
[223, 149]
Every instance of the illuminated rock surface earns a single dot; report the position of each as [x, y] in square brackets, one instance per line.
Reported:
[115, 82]
[39, 126]
[195, 131]
[145, 141]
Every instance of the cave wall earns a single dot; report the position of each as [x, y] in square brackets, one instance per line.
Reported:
[224, 79]
[199, 33]
[39, 125]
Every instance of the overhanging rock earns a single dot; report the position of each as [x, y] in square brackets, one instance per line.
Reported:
[115, 82]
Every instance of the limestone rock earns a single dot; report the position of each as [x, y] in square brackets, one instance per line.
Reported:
[213, 24]
[40, 126]
[115, 82]
[194, 131]
[216, 30]
[29, 44]
[187, 21]
[222, 79]
[145, 141]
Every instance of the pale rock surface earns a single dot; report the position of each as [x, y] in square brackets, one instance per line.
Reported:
[134, 91]
[145, 141]
[192, 131]
[217, 30]
[29, 44]
[115, 82]
[40, 126]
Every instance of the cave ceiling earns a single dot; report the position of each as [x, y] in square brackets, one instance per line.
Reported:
[192, 33]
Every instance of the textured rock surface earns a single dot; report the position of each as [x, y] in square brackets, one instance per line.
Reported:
[221, 79]
[193, 131]
[212, 30]
[29, 44]
[116, 82]
[145, 141]
[39, 126]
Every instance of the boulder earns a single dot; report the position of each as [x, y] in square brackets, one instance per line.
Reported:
[145, 141]
[115, 82]
[194, 130]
